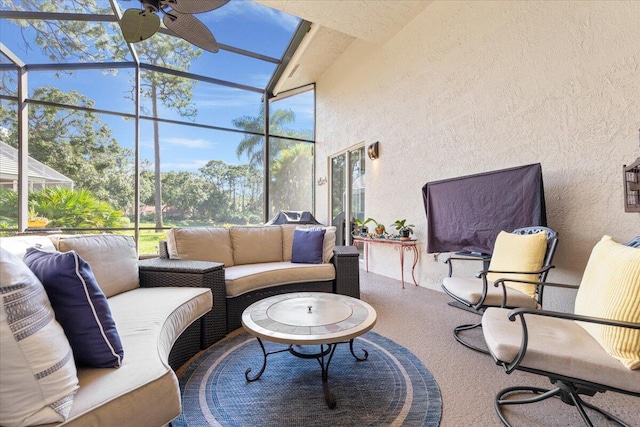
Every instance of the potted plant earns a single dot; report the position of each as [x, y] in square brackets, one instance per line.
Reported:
[380, 229]
[360, 227]
[35, 221]
[404, 229]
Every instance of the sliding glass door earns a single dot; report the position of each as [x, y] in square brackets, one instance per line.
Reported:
[347, 192]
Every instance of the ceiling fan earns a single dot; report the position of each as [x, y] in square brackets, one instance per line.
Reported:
[140, 24]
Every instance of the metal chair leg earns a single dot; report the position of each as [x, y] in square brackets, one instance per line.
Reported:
[565, 392]
[456, 334]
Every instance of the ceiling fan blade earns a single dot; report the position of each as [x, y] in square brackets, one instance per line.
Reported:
[191, 29]
[138, 25]
[194, 6]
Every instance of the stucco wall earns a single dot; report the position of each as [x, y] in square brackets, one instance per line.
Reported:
[469, 87]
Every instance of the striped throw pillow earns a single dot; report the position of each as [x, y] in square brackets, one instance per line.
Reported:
[39, 378]
[610, 288]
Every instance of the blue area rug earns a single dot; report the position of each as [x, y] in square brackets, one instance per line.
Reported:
[391, 387]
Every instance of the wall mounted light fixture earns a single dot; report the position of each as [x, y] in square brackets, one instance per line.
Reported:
[373, 151]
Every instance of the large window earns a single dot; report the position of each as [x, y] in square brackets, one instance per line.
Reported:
[136, 138]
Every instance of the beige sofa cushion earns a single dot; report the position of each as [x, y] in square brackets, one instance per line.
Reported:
[253, 245]
[327, 245]
[249, 277]
[569, 350]
[113, 259]
[144, 391]
[201, 244]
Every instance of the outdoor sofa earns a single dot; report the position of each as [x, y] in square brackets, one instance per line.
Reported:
[256, 262]
[158, 325]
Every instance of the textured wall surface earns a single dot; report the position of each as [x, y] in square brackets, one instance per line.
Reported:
[468, 87]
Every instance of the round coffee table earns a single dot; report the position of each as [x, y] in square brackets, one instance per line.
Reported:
[305, 319]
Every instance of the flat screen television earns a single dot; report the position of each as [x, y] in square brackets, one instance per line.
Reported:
[467, 213]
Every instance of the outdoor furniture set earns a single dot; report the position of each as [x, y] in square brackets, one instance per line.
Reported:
[154, 315]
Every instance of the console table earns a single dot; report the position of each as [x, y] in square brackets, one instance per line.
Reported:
[399, 245]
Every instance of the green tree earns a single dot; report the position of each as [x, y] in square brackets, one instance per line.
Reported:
[167, 90]
[76, 144]
[291, 178]
[80, 41]
[185, 190]
[252, 143]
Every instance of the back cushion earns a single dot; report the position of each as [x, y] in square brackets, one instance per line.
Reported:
[112, 257]
[515, 252]
[327, 247]
[252, 245]
[200, 244]
[18, 245]
[610, 288]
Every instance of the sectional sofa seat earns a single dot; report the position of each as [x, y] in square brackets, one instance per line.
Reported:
[259, 261]
[150, 321]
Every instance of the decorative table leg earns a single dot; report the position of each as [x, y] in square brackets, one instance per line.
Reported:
[324, 358]
[400, 249]
[264, 362]
[329, 397]
[415, 261]
[359, 359]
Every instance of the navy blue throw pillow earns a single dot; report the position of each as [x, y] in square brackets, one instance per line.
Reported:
[79, 305]
[307, 246]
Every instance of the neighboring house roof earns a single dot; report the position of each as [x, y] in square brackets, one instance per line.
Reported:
[38, 172]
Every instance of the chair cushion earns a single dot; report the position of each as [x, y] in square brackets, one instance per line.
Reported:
[515, 252]
[558, 346]
[201, 244]
[610, 288]
[470, 290]
[107, 254]
[307, 246]
[37, 371]
[240, 279]
[256, 244]
[80, 306]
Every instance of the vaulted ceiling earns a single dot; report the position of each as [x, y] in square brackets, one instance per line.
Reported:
[335, 25]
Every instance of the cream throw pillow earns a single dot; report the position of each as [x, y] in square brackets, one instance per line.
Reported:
[516, 252]
[38, 379]
[610, 288]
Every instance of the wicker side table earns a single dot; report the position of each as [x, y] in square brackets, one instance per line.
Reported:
[201, 274]
[346, 262]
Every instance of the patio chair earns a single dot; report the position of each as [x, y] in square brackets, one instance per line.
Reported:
[522, 254]
[594, 350]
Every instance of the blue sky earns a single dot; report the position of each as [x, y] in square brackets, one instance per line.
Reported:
[240, 23]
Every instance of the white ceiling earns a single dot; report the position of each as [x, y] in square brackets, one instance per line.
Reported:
[336, 24]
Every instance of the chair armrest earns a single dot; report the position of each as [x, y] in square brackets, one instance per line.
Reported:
[449, 260]
[500, 282]
[346, 261]
[155, 272]
[540, 271]
[521, 312]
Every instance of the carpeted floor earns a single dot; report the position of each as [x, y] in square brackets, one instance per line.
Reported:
[420, 320]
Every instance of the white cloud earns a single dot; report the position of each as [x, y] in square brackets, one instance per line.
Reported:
[251, 10]
[225, 97]
[187, 142]
[185, 166]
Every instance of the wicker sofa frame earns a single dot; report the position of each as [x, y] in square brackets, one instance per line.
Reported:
[227, 311]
